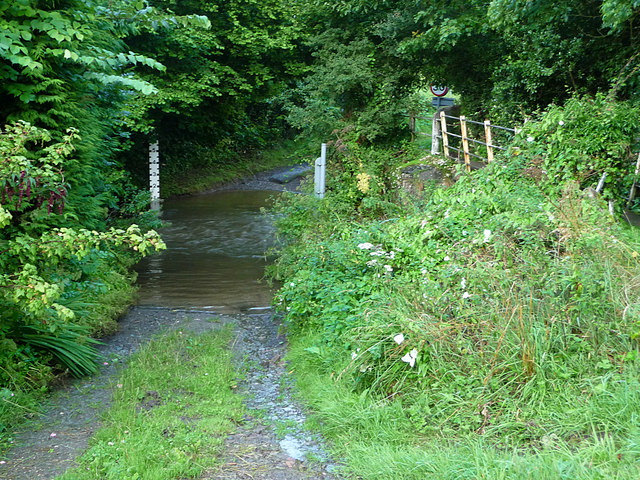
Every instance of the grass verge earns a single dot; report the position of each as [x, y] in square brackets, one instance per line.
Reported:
[486, 330]
[172, 408]
[384, 439]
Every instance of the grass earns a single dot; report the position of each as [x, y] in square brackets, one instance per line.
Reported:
[173, 406]
[380, 439]
[518, 305]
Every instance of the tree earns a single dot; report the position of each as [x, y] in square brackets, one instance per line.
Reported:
[218, 82]
[504, 58]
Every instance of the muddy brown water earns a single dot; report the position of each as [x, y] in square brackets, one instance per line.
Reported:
[216, 254]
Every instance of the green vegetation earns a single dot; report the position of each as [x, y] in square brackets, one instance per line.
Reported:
[504, 58]
[485, 330]
[220, 167]
[60, 282]
[490, 328]
[85, 87]
[172, 408]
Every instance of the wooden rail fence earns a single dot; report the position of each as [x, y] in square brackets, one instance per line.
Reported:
[454, 131]
[457, 136]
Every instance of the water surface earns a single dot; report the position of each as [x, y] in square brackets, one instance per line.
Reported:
[215, 257]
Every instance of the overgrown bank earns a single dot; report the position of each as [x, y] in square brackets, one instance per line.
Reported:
[486, 330]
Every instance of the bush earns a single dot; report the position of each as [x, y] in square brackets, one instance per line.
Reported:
[581, 141]
[493, 308]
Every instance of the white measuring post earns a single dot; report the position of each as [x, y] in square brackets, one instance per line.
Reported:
[321, 168]
[154, 175]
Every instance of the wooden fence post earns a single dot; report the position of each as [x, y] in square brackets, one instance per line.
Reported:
[632, 194]
[487, 135]
[465, 143]
[445, 138]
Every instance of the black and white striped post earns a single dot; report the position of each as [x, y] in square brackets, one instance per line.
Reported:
[154, 175]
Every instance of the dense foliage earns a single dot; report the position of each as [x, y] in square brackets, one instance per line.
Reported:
[505, 58]
[60, 282]
[497, 315]
[68, 212]
[214, 102]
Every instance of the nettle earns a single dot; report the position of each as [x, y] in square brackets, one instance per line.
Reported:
[584, 140]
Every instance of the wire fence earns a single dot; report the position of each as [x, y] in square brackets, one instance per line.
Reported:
[463, 139]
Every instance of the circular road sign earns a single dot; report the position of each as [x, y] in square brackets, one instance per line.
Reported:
[439, 90]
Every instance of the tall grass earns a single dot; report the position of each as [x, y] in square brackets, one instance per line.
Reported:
[491, 331]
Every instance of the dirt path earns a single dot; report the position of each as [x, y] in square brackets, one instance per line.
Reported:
[254, 451]
[271, 445]
[48, 445]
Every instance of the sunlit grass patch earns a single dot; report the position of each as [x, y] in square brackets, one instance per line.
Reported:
[173, 406]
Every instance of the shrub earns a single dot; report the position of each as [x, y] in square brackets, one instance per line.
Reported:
[581, 141]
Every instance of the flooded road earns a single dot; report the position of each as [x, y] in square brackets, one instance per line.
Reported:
[215, 255]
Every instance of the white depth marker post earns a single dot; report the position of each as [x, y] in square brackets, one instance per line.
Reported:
[321, 167]
[154, 175]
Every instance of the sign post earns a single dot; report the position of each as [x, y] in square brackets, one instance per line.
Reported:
[439, 91]
[154, 175]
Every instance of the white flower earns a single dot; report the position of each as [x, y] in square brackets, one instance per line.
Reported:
[561, 123]
[487, 235]
[410, 357]
[391, 255]
[463, 283]
[110, 444]
[399, 338]
[353, 355]
[379, 253]
[365, 246]
[423, 271]
[530, 139]
[388, 268]
[292, 284]
[466, 295]
[446, 258]
[372, 263]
